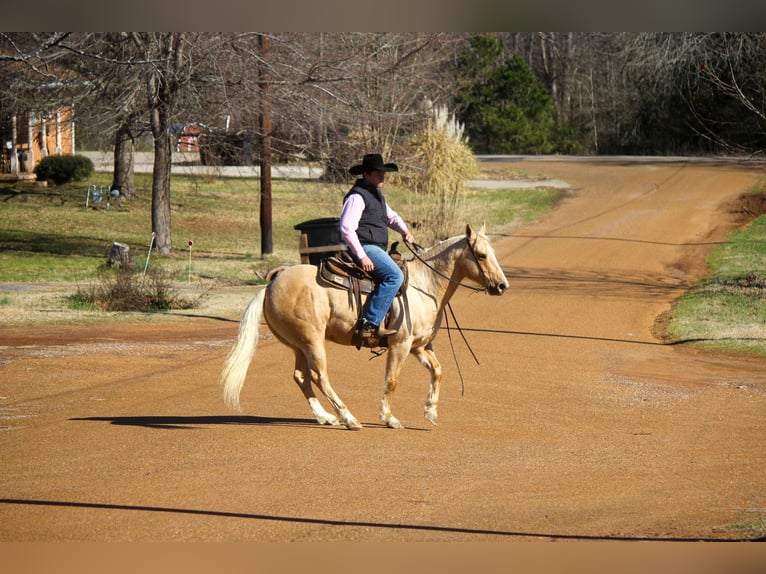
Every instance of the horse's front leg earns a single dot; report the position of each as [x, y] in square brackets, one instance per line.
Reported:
[428, 359]
[396, 356]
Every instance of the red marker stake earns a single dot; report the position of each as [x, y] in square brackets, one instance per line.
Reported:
[190, 252]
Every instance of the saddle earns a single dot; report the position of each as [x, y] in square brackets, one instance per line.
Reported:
[342, 272]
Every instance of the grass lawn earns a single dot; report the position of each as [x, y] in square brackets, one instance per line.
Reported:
[48, 236]
[727, 310]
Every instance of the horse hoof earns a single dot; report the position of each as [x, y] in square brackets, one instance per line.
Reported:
[395, 424]
[353, 425]
[431, 418]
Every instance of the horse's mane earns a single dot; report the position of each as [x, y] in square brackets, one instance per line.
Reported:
[420, 274]
[441, 246]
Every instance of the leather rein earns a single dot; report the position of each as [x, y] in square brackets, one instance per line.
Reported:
[449, 305]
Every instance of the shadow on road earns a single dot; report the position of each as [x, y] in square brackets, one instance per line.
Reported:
[194, 422]
[352, 523]
[173, 422]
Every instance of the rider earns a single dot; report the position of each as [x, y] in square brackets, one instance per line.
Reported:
[364, 222]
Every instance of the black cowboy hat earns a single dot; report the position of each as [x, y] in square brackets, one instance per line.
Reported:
[372, 162]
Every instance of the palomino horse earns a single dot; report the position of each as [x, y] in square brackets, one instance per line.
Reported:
[302, 313]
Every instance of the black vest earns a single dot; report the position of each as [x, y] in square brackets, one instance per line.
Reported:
[372, 225]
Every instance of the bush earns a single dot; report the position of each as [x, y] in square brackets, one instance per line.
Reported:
[126, 289]
[441, 162]
[60, 169]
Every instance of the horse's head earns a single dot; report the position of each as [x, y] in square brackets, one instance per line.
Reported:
[486, 269]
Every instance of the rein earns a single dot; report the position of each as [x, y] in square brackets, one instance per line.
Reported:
[449, 306]
[452, 346]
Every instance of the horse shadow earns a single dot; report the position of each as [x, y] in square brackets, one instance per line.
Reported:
[177, 422]
[174, 422]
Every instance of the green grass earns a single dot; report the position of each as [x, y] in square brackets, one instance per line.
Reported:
[508, 207]
[49, 236]
[727, 310]
[750, 530]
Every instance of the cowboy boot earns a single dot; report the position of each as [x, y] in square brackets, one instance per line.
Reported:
[384, 332]
[365, 335]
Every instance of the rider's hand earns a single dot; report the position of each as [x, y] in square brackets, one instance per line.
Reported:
[367, 264]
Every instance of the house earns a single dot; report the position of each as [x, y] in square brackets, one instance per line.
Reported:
[29, 136]
[188, 138]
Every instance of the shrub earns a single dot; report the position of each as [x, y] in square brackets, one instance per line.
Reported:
[126, 289]
[60, 169]
[441, 161]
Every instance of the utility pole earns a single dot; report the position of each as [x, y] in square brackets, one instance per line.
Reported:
[264, 133]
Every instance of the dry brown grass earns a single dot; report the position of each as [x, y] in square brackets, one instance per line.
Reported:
[441, 162]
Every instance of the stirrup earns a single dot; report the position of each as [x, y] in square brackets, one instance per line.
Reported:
[368, 335]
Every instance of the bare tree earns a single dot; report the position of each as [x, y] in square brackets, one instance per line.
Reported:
[116, 101]
[163, 82]
[557, 50]
[344, 94]
[719, 77]
[734, 66]
[101, 74]
[34, 75]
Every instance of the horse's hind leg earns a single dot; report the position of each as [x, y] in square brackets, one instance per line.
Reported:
[316, 359]
[303, 377]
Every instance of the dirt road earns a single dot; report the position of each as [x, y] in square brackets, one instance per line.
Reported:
[579, 423]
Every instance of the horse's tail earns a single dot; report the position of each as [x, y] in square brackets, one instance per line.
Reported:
[239, 358]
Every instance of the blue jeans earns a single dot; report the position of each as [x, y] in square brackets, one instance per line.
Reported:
[388, 277]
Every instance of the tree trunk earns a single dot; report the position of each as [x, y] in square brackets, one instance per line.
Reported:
[557, 53]
[119, 256]
[163, 85]
[123, 178]
[163, 153]
[264, 128]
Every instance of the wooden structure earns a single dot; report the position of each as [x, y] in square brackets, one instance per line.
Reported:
[319, 238]
[312, 254]
[32, 135]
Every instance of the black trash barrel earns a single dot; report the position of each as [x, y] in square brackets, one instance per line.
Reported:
[320, 238]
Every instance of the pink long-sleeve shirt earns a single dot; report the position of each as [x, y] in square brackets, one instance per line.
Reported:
[350, 215]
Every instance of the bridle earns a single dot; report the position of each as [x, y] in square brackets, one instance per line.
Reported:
[471, 248]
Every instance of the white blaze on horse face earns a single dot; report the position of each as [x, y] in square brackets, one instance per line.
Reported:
[502, 280]
[492, 274]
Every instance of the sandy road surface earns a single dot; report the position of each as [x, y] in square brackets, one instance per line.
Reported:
[579, 422]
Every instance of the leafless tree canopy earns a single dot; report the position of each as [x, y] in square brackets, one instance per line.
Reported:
[335, 96]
